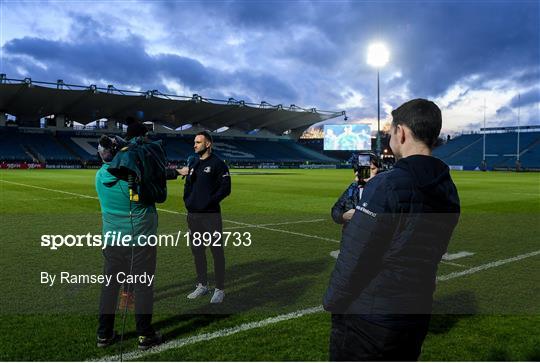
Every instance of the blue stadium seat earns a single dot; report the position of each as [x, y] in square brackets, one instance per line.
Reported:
[467, 150]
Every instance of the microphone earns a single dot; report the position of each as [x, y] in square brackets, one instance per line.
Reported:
[191, 160]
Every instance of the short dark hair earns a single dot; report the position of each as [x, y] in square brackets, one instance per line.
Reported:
[206, 134]
[136, 129]
[423, 117]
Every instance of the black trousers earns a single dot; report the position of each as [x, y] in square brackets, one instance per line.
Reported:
[207, 222]
[355, 339]
[118, 259]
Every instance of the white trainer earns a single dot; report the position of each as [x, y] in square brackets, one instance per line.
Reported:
[200, 290]
[218, 296]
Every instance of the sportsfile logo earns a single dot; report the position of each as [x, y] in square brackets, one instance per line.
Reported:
[120, 239]
[365, 210]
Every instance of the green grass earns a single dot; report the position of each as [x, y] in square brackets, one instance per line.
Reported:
[490, 315]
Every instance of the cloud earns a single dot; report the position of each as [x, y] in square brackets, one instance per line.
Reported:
[308, 53]
[125, 62]
[527, 98]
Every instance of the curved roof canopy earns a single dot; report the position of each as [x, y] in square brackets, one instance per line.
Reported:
[84, 104]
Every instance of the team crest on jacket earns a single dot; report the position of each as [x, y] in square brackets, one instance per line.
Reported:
[207, 169]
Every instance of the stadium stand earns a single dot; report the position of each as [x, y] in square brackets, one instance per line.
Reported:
[466, 151]
[81, 147]
[11, 150]
[31, 146]
[40, 131]
[45, 148]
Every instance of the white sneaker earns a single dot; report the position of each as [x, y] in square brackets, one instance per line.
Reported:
[200, 290]
[218, 296]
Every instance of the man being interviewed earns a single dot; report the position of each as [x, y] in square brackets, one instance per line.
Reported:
[208, 182]
[381, 290]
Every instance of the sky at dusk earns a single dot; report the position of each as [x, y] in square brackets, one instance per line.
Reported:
[308, 53]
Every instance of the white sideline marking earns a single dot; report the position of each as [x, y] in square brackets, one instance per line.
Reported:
[452, 264]
[277, 224]
[454, 256]
[276, 319]
[208, 336]
[486, 266]
[57, 198]
[49, 189]
[181, 213]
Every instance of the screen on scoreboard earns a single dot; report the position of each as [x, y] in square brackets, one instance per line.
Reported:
[347, 137]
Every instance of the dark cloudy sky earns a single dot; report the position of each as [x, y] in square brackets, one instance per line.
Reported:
[310, 53]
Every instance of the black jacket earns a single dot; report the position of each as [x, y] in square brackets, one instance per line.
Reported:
[391, 248]
[348, 200]
[207, 184]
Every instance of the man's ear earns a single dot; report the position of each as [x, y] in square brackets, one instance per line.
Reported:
[401, 134]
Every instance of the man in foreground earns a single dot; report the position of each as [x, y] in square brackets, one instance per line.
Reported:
[208, 182]
[381, 290]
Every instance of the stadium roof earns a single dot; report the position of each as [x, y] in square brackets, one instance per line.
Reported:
[32, 100]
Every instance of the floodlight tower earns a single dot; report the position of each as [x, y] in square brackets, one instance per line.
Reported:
[378, 56]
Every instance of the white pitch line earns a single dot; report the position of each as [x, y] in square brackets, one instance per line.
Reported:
[452, 263]
[486, 266]
[56, 198]
[277, 224]
[173, 344]
[183, 213]
[276, 319]
[455, 256]
[49, 189]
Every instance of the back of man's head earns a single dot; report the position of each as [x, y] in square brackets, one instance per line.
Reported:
[136, 129]
[422, 117]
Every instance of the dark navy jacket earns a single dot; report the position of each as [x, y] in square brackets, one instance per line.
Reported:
[207, 184]
[391, 248]
[348, 200]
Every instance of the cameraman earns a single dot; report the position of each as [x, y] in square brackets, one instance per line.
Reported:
[121, 215]
[344, 208]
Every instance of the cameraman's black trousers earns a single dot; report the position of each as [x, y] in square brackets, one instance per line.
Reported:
[207, 222]
[355, 339]
[118, 259]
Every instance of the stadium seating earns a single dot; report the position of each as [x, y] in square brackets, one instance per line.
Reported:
[24, 146]
[77, 146]
[38, 145]
[10, 147]
[83, 146]
[467, 150]
[46, 147]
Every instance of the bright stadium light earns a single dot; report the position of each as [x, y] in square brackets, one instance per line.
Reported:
[377, 57]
